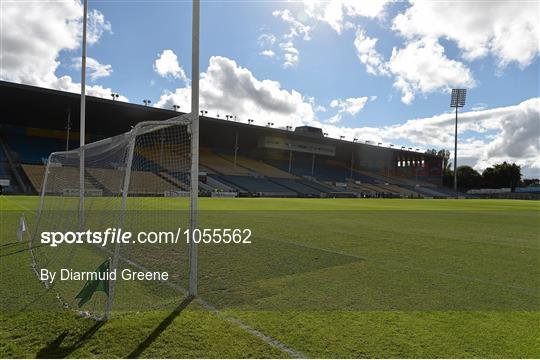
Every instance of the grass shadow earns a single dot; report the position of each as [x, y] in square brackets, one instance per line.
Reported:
[159, 329]
[55, 350]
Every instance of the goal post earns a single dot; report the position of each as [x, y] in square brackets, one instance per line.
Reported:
[133, 181]
[195, 34]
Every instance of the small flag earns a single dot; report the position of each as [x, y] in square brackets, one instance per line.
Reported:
[22, 228]
[92, 286]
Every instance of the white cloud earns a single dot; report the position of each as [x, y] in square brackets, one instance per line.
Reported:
[296, 28]
[335, 12]
[267, 53]
[166, 65]
[31, 46]
[351, 106]
[227, 88]
[420, 67]
[97, 25]
[290, 54]
[423, 67]
[65, 83]
[94, 68]
[368, 54]
[510, 30]
[334, 119]
[267, 40]
[479, 106]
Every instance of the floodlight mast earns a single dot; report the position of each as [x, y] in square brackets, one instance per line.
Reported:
[457, 100]
[194, 146]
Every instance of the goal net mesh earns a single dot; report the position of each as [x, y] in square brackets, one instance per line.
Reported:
[136, 182]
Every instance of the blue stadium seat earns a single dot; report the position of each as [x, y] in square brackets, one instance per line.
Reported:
[255, 185]
[33, 149]
[297, 186]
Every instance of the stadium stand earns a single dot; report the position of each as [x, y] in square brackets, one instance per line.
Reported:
[259, 186]
[316, 185]
[35, 174]
[175, 179]
[301, 166]
[34, 149]
[110, 179]
[64, 178]
[259, 167]
[148, 183]
[319, 166]
[302, 189]
[219, 165]
[216, 184]
[163, 155]
[142, 182]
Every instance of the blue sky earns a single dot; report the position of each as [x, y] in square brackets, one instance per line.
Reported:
[328, 67]
[416, 56]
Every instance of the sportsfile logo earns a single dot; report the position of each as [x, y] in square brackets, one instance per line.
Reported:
[109, 236]
[119, 236]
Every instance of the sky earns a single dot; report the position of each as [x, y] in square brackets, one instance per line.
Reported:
[378, 71]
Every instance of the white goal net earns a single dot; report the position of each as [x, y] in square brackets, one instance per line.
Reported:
[136, 182]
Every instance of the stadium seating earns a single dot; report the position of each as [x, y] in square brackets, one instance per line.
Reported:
[297, 186]
[215, 183]
[257, 185]
[259, 167]
[164, 155]
[32, 150]
[176, 179]
[301, 166]
[35, 175]
[61, 178]
[141, 183]
[147, 183]
[110, 179]
[316, 185]
[220, 165]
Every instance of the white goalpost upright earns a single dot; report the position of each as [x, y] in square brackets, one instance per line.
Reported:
[194, 146]
[82, 127]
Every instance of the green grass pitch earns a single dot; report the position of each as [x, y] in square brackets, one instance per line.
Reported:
[324, 277]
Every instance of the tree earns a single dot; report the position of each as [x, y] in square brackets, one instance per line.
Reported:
[447, 174]
[502, 176]
[468, 178]
[445, 154]
[530, 182]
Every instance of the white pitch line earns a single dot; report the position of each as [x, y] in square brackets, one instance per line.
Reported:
[267, 339]
[16, 203]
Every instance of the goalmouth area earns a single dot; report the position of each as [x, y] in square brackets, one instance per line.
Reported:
[320, 278]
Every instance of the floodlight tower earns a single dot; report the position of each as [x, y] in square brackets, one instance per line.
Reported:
[457, 100]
